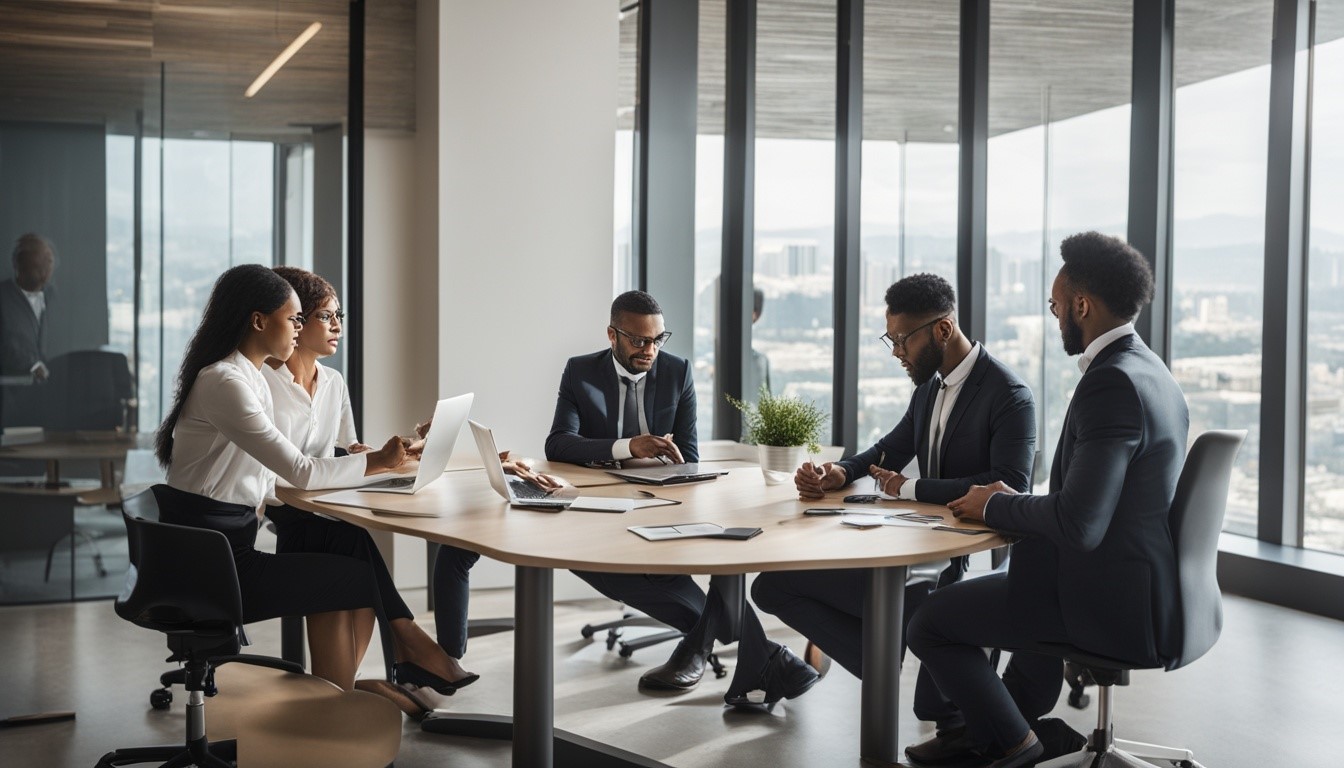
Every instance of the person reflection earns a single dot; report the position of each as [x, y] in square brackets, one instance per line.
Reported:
[25, 302]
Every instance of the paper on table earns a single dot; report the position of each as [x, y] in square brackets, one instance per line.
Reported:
[867, 518]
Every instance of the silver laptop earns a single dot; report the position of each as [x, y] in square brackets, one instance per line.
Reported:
[667, 474]
[521, 493]
[449, 416]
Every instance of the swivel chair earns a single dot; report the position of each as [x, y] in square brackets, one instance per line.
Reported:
[1196, 520]
[182, 582]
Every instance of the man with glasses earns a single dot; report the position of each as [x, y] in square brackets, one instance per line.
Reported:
[971, 421]
[634, 401]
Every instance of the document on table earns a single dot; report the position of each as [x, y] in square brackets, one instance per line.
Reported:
[691, 531]
[866, 519]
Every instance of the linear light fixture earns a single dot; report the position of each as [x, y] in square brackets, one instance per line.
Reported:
[285, 55]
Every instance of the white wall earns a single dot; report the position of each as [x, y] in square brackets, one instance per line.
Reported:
[527, 111]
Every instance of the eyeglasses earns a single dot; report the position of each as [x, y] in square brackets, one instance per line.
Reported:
[899, 340]
[640, 342]
[325, 317]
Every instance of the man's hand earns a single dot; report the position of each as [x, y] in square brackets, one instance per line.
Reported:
[971, 507]
[653, 446]
[813, 482]
[888, 482]
[40, 372]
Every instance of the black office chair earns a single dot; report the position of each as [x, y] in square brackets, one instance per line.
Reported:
[1196, 520]
[182, 582]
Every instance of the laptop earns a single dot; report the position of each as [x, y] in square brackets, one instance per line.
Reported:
[449, 415]
[668, 474]
[521, 493]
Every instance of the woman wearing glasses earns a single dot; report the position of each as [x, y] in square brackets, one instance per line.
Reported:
[312, 409]
[223, 453]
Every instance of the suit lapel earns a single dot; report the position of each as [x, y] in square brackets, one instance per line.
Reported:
[930, 395]
[611, 391]
[651, 399]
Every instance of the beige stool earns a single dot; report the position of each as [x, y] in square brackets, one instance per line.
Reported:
[297, 721]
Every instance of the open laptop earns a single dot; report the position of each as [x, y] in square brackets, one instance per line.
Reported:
[667, 474]
[449, 415]
[521, 493]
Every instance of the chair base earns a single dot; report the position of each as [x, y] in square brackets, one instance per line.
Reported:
[219, 754]
[1126, 754]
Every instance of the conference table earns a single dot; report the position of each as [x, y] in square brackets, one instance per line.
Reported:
[469, 514]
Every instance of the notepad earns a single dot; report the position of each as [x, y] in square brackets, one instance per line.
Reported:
[691, 531]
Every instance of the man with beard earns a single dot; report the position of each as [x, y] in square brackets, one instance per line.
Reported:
[971, 421]
[1095, 567]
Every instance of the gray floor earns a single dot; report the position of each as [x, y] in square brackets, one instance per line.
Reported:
[1264, 696]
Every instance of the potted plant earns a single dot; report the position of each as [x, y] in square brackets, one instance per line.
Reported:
[785, 431]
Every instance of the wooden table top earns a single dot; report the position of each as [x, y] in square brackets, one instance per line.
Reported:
[62, 446]
[473, 516]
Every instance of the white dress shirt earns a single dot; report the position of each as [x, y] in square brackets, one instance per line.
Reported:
[943, 403]
[620, 450]
[318, 424]
[226, 446]
[37, 300]
[1100, 343]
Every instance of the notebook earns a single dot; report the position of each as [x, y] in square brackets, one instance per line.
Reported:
[521, 493]
[668, 474]
[449, 415]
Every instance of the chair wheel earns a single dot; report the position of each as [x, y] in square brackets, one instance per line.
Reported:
[627, 651]
[160, 698]
[587, 631]
[612, 636]
[1079, 700]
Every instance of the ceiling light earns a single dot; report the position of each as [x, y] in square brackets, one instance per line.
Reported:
[285, 55]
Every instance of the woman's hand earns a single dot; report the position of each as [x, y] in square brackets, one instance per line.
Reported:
[389, 457]
[358, 448]
[521, 469]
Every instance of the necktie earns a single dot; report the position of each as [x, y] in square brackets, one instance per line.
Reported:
[936, 433]
[630, 417]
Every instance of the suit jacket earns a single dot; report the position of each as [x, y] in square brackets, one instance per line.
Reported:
[22, 334]
[589, 401]
[1097, 568]
[990, 435]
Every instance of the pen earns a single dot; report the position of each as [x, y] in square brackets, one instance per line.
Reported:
[881, 459]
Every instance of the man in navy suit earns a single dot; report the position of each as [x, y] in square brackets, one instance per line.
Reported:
[25, 305]
[635, 401]
[971, 420]
[1095, 567]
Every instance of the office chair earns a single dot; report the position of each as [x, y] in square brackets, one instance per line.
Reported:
[182, 582]
[1196, 520]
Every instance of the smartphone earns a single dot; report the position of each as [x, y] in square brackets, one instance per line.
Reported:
[862, 498]
[820, 511]
[862, 523]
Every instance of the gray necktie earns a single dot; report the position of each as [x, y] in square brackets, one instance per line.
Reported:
[936, 430]
[630, 419]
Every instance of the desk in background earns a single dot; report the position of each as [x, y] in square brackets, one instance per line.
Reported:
[472, 516]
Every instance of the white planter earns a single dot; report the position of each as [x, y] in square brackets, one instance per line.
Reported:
[780, 462]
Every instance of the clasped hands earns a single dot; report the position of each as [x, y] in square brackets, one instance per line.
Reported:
[814, 481]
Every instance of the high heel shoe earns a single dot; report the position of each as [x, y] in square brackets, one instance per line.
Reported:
[410, 673]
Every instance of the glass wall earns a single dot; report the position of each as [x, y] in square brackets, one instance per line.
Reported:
[710, 89]
[1058, 164]
[626, 98]
[909, 194]
[1324, 481]
[1218, 234]
[127, 185]
[795, 198]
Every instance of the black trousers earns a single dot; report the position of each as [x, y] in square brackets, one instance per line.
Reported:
[297, 531]
[674, 599]
[452, 591]
[949, 632]
[273, 585]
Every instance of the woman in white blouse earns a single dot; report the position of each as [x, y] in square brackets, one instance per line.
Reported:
[223, 453]
[312, 409]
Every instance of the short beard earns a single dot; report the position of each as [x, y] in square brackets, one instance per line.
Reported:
[1072, 335]
[923, 367]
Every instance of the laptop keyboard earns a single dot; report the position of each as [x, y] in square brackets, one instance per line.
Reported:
[400, 482]
[525, 490]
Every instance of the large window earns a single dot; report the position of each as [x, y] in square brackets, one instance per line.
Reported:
[1218, 248]
[1324, 481]
[1058, 164]
[795, 197]
[909, 195]
[710, 93]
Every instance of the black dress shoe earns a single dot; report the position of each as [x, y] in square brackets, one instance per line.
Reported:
[410, 673]
[1025, 754]
[682, 670]
[785, 676]
[1058, 738]
[949, 748]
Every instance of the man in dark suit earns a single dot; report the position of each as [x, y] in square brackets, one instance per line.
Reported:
[971, 420]
[25, 303]
[633, 401]
[1095, 567]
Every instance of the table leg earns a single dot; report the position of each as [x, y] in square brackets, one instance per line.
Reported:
[533, 668]
[879, 740]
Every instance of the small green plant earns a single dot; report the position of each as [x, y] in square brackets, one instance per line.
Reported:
[784, 421]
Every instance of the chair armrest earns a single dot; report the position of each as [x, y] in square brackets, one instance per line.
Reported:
[260, 661]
